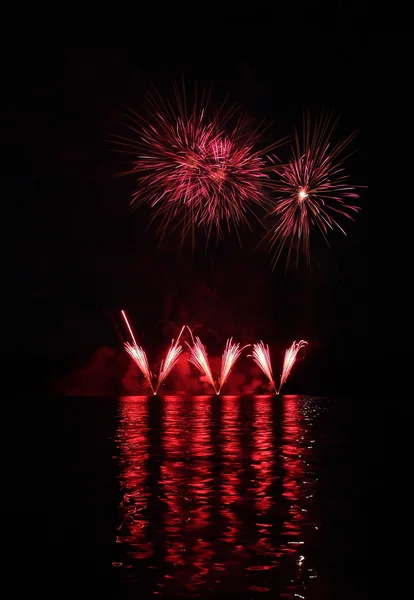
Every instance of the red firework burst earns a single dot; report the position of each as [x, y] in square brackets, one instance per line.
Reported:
[234, 174]
[313, 189]
[190, 171]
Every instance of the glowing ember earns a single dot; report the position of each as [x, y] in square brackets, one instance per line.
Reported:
[199, 358]
[313, 190]
[261, 356]
[230, 355]
[289, 360]
[170, 361]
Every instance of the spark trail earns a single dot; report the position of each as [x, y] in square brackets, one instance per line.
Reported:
[231, 354]
[141, 360]
[289, 360]
[138, 354]
[170, 360]
[199, 358]
[261, 356]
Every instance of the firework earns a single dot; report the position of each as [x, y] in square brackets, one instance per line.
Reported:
[199, 358]
[233, 178]
[190, 171]
[289, 360]
[261, 356]
[141, 360]
[231, 353]
[312, 189]
[138, 354]
[170, 361]
[129, 327]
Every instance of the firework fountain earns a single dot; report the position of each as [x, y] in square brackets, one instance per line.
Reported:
[140, 358]
[199, 358]
[138, 354]
[170, 360]
[231, 354]
[261, 356]
[289, 360]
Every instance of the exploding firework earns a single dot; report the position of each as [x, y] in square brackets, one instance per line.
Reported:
[312, 189]
[231, 353]
[190, 171]
[199, 358]
[261, 356]
[289, 360]
[170, 361]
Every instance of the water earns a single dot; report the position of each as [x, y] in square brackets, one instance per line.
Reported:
[206, 497]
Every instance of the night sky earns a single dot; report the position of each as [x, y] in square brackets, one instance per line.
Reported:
[79, 254]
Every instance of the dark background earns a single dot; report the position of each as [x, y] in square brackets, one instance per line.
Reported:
[78, 255]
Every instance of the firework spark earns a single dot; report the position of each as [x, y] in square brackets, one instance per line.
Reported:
[289, 360]
[312, 189]
[261, 356]
[199, 358]
[129, 327]
[141, 360]
[190, 171]
[233, 178]
[170, 361]
[138, 354]
[231, 353]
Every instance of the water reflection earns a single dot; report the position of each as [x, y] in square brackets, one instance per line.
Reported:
[133, 444]
[230, 552]
[231, 464]
[263, 453]
[222, 501]
[173, 477]
[200, 491]
[299, 486]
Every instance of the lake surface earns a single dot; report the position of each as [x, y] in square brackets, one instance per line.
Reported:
[205, 497]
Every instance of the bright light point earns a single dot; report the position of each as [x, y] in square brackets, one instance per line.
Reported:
[219, 175]
[302, 195]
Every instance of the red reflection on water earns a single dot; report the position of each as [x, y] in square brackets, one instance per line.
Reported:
[173, 477]
[200, 491]
[294, 473]
[232, 452]
[263, 452]
[132, 440]
[263, 464]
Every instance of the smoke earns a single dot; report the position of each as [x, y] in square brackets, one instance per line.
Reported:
[97, 377]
